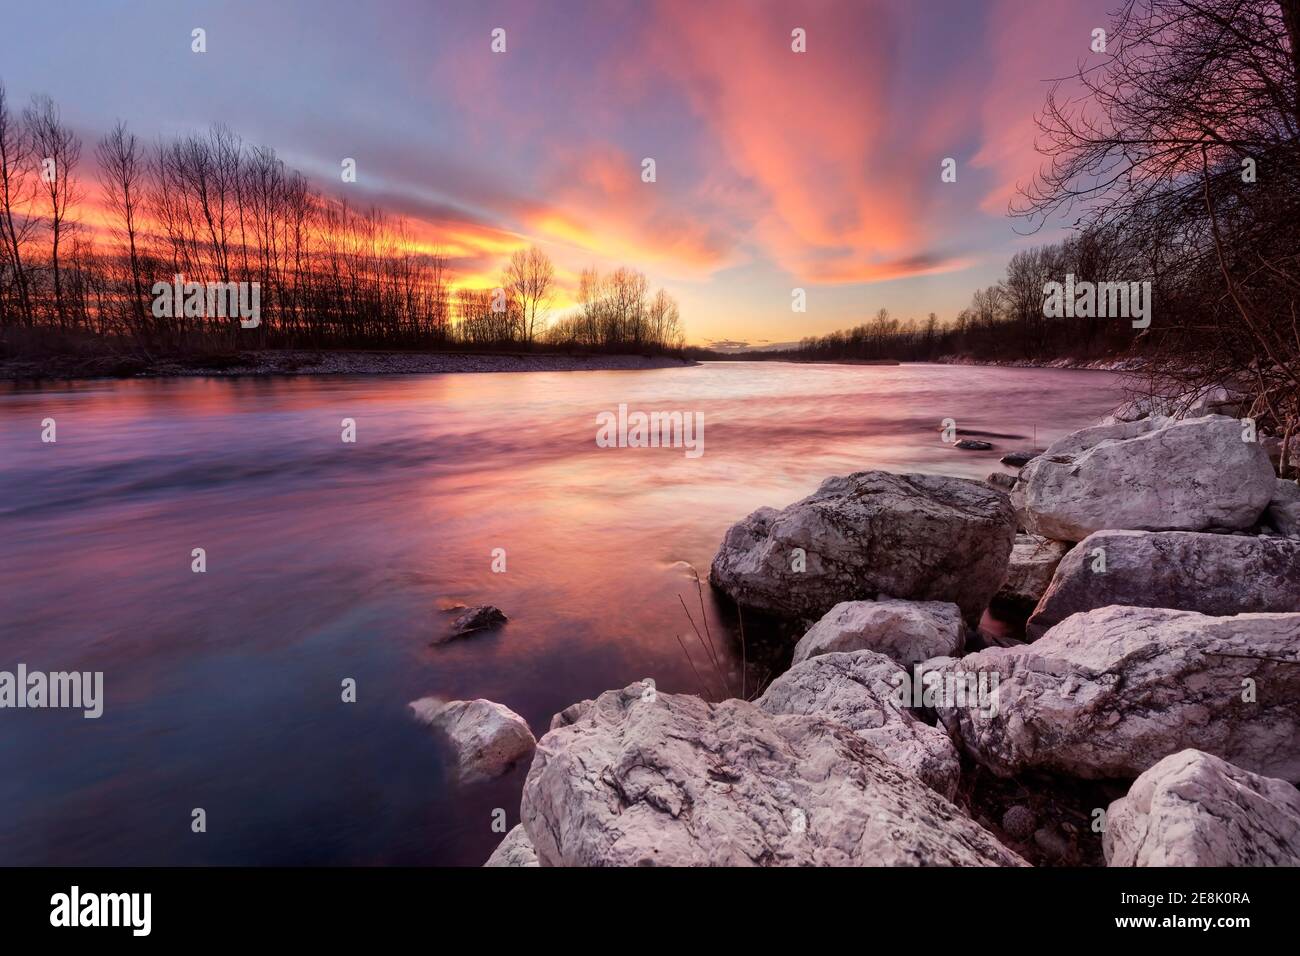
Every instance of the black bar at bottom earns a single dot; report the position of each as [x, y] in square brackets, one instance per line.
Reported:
[733, 905]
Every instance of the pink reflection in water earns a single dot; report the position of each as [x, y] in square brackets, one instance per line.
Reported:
[328, 559]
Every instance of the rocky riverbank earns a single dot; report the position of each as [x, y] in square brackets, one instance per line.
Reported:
[1152, 718]
[308, 362]
[1126, 364]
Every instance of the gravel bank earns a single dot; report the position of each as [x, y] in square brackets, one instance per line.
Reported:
[305, 362]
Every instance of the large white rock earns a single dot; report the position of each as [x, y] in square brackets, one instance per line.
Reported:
[905, 631]
[515, 849]
[861, 691]
[488, 737]
[1029, 572]
[1109, 692]
[1193, 809]
[1150, 475]
[868, 535]
[668, 779]
[1218, 574]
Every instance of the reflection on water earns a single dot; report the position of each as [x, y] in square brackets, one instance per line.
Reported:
[328, 560]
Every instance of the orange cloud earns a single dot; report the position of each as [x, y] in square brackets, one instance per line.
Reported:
[812, 131]
[599, 204]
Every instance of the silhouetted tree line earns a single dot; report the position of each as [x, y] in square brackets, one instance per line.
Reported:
[1004, 322]
[211, 208]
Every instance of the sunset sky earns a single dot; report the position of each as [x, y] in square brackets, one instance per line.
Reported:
[775, 169]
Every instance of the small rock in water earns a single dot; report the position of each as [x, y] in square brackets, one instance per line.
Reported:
[1017, 459]
[488, 737]
[478, 618]
[972, 444]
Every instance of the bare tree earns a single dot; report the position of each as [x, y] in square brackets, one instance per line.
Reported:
[528, 281]
[57, 150]
[1181, 152]
[16, 192]
[121, 174]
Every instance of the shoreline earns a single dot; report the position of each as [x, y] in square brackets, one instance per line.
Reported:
[1130, 364]
[295, 362]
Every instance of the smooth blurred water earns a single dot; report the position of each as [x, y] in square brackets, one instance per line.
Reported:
[328, 560]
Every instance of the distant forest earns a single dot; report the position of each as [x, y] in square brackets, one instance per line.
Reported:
[1004, 322]
[213, 208]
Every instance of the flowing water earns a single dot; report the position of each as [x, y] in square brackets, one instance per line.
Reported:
[329, 560]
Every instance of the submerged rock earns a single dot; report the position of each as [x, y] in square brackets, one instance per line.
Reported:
[1154, 474]
[482, 617]
[1018, 459]
[866, 535]
[1109, 692]
[673, 780]
[1216, 574]
[1194, 809]
[488, 737]
[973, 444]
[907, 632]
[515, 849]
[861, 691]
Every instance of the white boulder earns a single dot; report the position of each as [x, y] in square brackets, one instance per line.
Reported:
[861, 690]
[867, 535]
[1154, 474]
[1107, 693]
[1218, 574]
[670, 780]
[907, 632]
[1194, 809]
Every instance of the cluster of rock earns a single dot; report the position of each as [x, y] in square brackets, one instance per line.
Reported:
[1160, 580]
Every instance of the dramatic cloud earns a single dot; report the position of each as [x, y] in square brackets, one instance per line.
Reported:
[774, 169]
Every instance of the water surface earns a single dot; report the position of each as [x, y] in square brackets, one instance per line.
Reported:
[328, 560]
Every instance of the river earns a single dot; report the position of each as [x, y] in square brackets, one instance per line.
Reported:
[328, 560]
